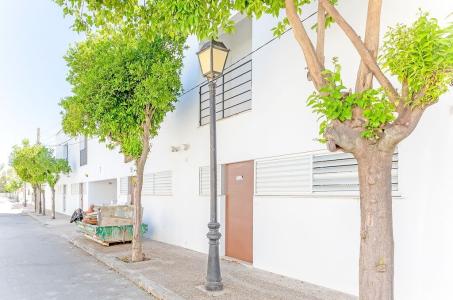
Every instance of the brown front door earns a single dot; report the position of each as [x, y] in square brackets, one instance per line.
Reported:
[239, 210]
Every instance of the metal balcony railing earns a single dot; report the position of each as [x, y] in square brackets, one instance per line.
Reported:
[233, 93]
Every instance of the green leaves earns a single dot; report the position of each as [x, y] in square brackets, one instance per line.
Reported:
[114, 79]
[421, 55]
[177, 18]
[334, 102]
[36, 164]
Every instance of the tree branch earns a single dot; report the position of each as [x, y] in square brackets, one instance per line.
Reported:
[401, 128]
[364, 76]
[301, 36]
[320, 34]
[341, 136]
[367, 58]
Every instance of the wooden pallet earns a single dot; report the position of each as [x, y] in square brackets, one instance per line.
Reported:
[95, 239]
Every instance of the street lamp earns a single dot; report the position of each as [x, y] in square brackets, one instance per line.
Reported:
[212, 57]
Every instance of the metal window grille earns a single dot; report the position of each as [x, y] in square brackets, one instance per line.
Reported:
[312, 174]
[233, 93]
[204, 178]
[158, 184]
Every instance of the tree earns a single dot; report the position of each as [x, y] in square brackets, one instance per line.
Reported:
[369, 122]
[54, 167]
[122, 88]
[12, 185]
[27, 161]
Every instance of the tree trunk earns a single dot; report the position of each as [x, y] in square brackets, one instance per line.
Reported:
[137, 250]
[35, 199]
[43, 193]
[376, 243]
[38, 193]
[52, 188]
[25, 195]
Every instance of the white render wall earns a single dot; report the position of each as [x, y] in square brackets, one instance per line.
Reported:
[315, 239]
[103, 192]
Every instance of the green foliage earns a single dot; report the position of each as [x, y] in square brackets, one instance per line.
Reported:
[27, 161]
[114, 79]
[12, 184]
[422, 55]
[37, 165]
[334, 102]
[205, 19]
[53, 167]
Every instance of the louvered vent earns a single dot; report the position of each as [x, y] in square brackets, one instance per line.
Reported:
[339, 173]
[124, 183]
[284, 175]
[158, 184]
[205, 180]
[309, 174]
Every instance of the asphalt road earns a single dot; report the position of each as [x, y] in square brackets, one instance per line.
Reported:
[35, 264]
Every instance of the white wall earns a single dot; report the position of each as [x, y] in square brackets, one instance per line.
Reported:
[102, 192]
[315, 239]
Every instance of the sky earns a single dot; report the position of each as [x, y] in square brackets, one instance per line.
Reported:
[34, 37]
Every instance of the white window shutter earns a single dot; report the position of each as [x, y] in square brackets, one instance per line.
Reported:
[124, 186]
[290, 175]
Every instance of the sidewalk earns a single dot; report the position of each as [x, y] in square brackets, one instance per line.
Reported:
[177, 273]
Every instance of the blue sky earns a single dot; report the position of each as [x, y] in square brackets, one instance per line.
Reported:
[34, 37]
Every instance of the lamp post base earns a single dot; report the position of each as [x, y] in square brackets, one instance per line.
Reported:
[213, 278]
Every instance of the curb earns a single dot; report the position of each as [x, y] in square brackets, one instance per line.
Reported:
[149, 286]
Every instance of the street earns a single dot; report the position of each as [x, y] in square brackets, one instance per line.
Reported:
[35, 264]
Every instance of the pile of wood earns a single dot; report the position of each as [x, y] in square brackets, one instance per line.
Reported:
[91, 218]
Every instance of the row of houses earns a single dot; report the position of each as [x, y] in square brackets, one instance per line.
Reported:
[286, 205]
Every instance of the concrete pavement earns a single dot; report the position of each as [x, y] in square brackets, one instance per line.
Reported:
[177, 273]
[36, 264]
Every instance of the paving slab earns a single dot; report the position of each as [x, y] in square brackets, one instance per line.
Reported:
[177, 273]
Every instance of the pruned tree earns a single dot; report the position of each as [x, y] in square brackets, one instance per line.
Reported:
[367, 121]
[53, 168]
[27, 161]
[123, 86]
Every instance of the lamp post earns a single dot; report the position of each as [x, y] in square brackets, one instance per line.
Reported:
[212, 57]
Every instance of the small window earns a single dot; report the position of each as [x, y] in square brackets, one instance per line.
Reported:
[66, 151]
[124, 186]
[83, 151]
[205, 180]
[158, 184]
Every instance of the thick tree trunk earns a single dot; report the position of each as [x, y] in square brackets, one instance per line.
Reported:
[376, 243]
[52, 188]
[43, 197]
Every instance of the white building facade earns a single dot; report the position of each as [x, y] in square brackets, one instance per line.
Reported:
[286, 205]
